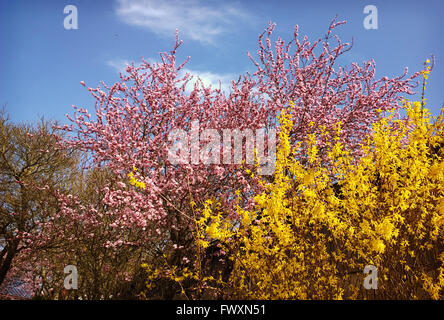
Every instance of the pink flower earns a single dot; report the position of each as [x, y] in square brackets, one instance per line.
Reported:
[121, 185]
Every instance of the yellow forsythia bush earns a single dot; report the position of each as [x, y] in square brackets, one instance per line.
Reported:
[317, 225]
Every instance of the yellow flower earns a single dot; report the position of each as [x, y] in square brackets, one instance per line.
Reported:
[134, 181]
[315, 223]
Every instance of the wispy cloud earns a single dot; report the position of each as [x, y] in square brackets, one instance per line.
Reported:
[119, 65]
[195, 19]
[208, 78]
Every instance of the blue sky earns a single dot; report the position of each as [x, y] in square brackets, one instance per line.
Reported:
[41, 63]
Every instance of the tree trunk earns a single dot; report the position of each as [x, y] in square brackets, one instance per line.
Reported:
[7, 262]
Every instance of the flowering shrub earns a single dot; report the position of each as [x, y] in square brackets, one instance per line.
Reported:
[316, 227]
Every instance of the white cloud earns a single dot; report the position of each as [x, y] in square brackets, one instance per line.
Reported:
[195, 19]
[119, 65]
[209, 78]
